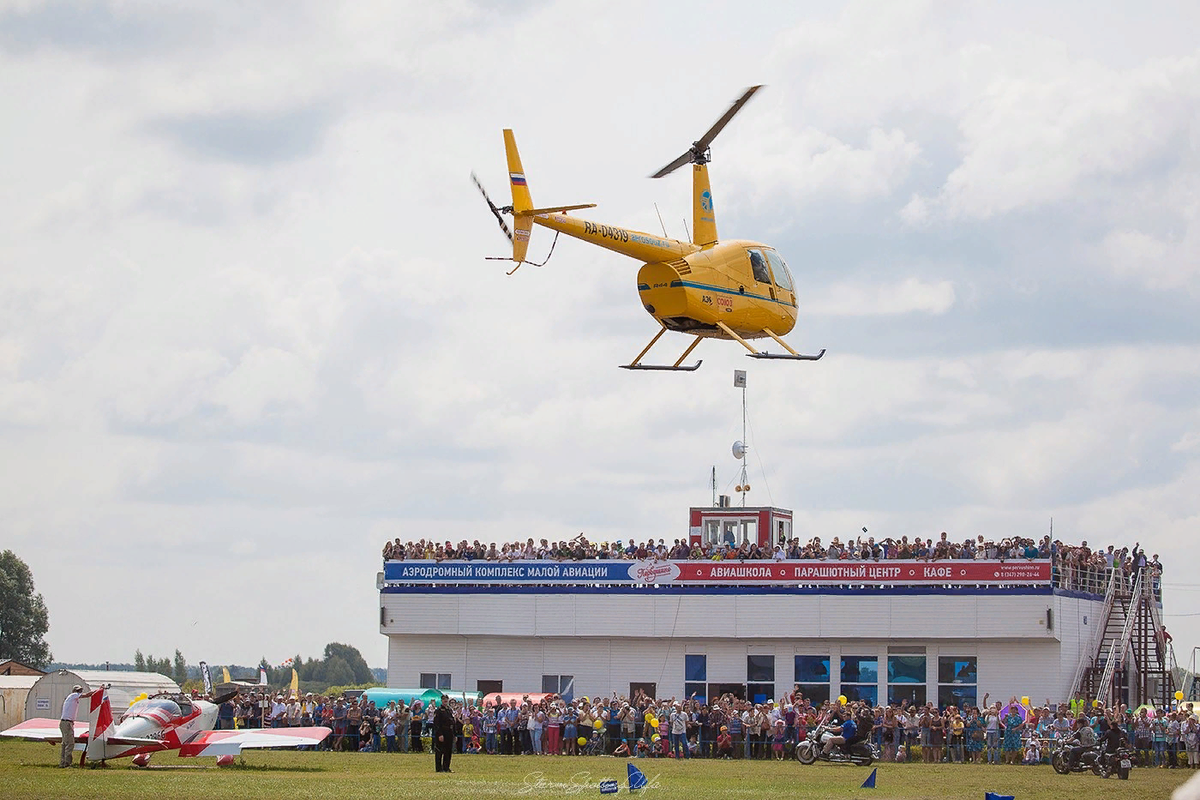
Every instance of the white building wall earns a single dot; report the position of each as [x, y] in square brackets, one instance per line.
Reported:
[603, 665]
[607, 641]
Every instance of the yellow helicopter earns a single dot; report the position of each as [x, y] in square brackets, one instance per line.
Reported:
[734, 289]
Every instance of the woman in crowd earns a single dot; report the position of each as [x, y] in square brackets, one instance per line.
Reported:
[1012, 723]
[974, 735]
[937, 736]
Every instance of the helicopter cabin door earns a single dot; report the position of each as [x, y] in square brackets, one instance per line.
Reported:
[761, 274]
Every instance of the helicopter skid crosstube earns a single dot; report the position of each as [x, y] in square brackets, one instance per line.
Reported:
[636, 363]
[791, 354]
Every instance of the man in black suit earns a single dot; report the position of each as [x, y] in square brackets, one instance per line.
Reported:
[443, 736]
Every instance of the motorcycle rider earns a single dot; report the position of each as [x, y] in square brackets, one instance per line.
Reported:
[839, 735]
[1084, 738]
[1112, 738]
[866, 722]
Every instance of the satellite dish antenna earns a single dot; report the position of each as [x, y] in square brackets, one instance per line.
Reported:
[739, 450]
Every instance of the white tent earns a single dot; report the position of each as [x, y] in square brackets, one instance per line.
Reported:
[47, 694]
[13, 691]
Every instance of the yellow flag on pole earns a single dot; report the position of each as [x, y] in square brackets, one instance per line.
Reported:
[295, 684]
[225, 671]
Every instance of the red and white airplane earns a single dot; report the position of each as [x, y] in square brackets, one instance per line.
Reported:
[164, 722]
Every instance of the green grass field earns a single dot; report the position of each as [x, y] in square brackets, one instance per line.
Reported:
[29, 770]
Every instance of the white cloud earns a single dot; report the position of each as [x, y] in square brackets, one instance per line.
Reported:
[867, 299]
[256, 350]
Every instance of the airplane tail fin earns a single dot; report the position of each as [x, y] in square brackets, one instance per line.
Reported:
[100, 724]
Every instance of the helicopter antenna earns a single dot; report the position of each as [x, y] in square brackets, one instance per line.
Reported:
[543, 263]
[687, 232]
[660, 222]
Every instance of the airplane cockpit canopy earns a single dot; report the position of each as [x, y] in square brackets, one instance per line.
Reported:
[160, 709]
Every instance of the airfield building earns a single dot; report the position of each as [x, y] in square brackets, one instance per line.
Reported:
[943, 631]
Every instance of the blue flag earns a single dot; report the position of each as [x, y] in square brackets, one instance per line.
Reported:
[636, 779]
[994, 796]
[869, 783]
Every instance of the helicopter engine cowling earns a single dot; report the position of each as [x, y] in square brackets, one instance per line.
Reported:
[665, 298]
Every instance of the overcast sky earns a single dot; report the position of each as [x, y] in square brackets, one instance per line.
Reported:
[247, 331]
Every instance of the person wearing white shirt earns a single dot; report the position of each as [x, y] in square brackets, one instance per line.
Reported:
[66, 724]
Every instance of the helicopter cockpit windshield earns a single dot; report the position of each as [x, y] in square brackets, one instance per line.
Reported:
[783, 278]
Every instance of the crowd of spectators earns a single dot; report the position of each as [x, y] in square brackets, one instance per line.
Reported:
[729, 727]
[1076, 567]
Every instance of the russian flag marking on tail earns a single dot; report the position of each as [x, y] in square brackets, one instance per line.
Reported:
[517, 178]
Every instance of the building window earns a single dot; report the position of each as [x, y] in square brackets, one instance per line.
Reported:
[812, 678]
[760, 678]
[906, 680]
[435, 680]
[695, 676]
[860, 678]
[563, 685]
[958, 678]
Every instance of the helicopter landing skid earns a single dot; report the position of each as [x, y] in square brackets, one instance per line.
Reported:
[663, 367]
[636, 363]
[789, 356]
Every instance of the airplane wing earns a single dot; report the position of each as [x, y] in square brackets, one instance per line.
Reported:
[40, 729]
[231, 743]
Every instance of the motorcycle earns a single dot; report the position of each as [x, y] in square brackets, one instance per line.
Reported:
[1088, 761]
[810, 751]
[1118, 762]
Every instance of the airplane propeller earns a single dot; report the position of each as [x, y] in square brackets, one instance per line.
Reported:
[496, 212]
[698, 152]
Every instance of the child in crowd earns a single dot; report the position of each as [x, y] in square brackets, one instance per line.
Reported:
[724, 743]
[777, 740]
[1033, 749]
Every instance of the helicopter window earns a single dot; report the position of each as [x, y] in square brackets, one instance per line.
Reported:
[783, 278]
[758, 265]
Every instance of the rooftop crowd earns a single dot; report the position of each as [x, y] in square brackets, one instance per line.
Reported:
[730, 727]
[1076, 567]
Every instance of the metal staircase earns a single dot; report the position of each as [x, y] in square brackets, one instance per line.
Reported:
[1133, 663]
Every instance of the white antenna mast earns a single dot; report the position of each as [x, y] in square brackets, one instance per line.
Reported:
[739, 448]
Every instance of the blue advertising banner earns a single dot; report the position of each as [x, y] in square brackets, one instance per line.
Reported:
[508, 572]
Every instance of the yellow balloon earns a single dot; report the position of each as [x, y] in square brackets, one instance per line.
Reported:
[1178, 695]
[842, 699]
[1095, 704]
[582, 741]
[653, 722]
[598, 724]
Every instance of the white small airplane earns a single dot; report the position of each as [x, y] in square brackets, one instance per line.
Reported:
[162, 722]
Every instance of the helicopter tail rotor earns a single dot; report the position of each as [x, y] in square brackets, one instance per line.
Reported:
[496, 212]
[698, 152]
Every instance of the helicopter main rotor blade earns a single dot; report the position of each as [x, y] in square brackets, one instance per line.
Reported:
[700, 146]
[704, 141]
[674, 165]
